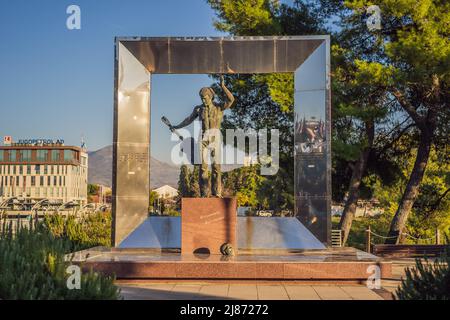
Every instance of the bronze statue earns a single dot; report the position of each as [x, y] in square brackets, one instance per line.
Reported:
[211, 117]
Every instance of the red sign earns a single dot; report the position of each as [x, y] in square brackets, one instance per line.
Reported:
[7, 140]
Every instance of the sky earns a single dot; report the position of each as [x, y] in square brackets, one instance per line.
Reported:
[58, 83]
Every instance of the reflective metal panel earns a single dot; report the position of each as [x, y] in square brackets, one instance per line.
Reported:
[248, 56]
[193, 56]
[222, 54]
[290, 55]
[155, 232]
[310, 175]
[154, 55]
[312, 144]
[275, 233]
[313, 214]
[311, 75]
[131, 144]
[132, 169]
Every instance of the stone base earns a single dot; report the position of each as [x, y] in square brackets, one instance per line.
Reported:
[333, 264]
[207, 223]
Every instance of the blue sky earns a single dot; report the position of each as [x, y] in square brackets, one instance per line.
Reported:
[58, 83]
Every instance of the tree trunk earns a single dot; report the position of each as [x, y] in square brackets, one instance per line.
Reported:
[359, 168]
[412, 188]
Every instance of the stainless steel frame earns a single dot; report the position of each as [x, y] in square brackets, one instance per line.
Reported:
[136, 58]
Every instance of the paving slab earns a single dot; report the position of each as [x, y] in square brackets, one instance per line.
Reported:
[272, 292]
[186, 288]
[147, 293]
[219, 291]
[301, 292]
[361, 293]
[331, 293]
[243, 291]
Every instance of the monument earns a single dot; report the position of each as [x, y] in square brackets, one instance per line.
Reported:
[307, 57]
[210, 116]
[208, 225]
[191, 246]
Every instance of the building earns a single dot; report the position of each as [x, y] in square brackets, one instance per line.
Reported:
[103, 195]
[166, 192]
[41, 169]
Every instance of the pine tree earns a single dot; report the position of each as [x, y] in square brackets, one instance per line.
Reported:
[194, 190]
[184, 181]
[427, 280]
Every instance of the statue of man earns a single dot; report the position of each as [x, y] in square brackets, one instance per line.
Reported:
[211, 117]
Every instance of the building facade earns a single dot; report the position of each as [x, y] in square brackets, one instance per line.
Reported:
[54, 172]
[166, 192]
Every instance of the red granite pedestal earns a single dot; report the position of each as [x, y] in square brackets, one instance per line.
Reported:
[206, 224]
[345, 265]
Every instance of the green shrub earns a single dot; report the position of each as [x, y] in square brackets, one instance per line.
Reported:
[33, 266]
[427, 281]
[86, 232]
[357, 236]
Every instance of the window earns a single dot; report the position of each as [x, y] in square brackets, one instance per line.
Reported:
[12, 155]
[69, 155]
[14, 169]
[25, 155]
[2, 155]
[21, 170]
[52, 169]
[57, 169]
[60, 180]
[48, 180]
[45, 169]
[42, 155]
[28, 169]
[17, 181]
[37, 169]
[54, 181]
[55, 155]
[41, 180]
[33, 180]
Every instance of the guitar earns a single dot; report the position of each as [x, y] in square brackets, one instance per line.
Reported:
[167, 122]
[187, 145]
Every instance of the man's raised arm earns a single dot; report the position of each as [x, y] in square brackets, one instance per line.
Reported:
[188, 120]
[229, 95]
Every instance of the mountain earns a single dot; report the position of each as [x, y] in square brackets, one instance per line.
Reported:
[100, 170]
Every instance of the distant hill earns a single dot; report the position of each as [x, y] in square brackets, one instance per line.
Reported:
[100, 170]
